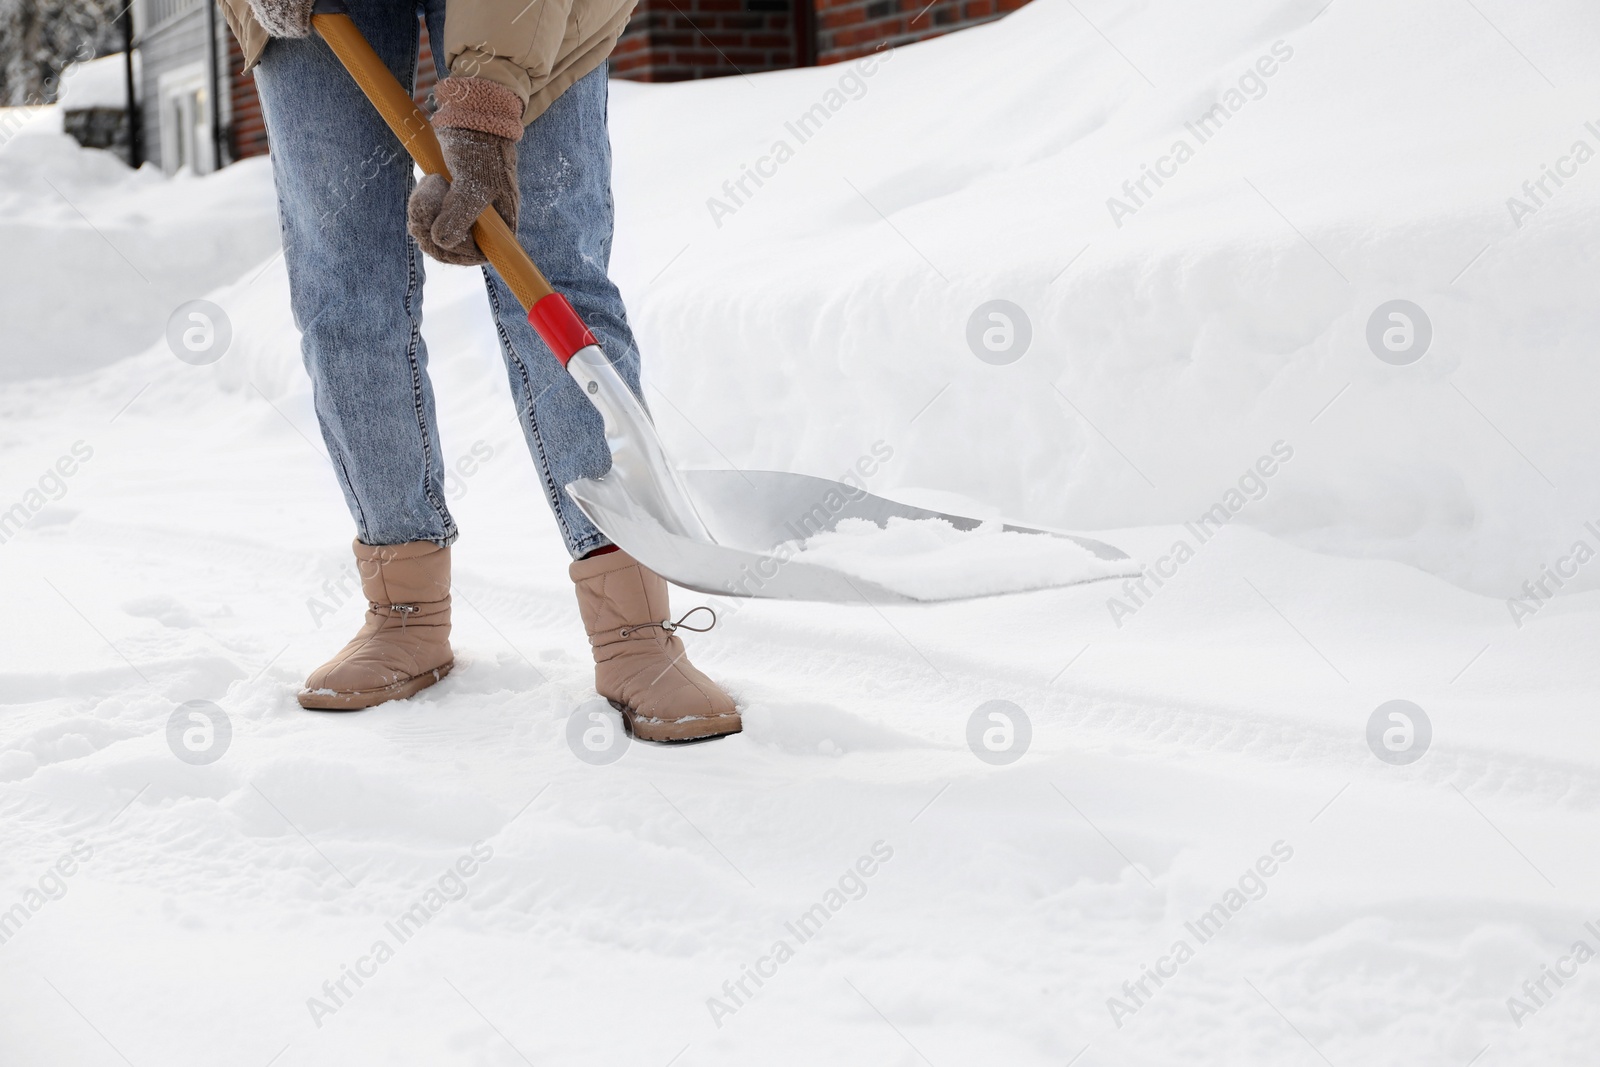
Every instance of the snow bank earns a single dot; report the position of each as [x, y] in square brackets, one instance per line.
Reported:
[98, 83]
[1173, 344]
[97, 256]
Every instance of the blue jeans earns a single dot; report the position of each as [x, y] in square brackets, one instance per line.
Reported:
[355, 279]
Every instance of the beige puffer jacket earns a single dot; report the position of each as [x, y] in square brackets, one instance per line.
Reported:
[535, 48]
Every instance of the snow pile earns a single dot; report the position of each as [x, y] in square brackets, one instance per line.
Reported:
[824, 272]
[929, 559]
[97, 83]
[97, 255]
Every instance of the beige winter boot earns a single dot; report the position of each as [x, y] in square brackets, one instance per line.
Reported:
[404, 645]
[639, 663]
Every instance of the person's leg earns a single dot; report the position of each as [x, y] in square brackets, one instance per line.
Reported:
[564, 169]
[641, 666]
[355, 284]
[355, 275]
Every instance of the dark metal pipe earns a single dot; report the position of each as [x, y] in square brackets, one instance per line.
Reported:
[216, 85]
[135, 149]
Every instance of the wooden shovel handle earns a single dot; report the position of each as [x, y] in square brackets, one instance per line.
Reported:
[409, 124]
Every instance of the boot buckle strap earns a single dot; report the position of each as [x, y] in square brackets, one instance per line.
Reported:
[669, 626]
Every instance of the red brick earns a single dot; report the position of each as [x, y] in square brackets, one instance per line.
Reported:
[674, 40]
[692, 58]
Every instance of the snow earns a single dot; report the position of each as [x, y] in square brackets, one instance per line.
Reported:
[1200, 331]
[183, 540]
[929, 559]
[97, 83]
[97, 255]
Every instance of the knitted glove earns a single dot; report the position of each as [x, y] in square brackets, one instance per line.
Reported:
[284, 18]
[479, 123]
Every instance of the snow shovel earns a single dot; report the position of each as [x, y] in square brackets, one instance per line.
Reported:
[732, 533]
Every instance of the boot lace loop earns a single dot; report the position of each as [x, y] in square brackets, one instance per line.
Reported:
[669, 626]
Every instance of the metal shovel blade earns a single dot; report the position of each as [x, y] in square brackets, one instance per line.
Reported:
[753, 517]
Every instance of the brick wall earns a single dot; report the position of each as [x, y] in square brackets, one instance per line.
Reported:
[850, 28]
[247, 133]
[427, 77]
[676, 40]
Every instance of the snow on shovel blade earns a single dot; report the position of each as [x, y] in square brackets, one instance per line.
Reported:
[794, 537]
